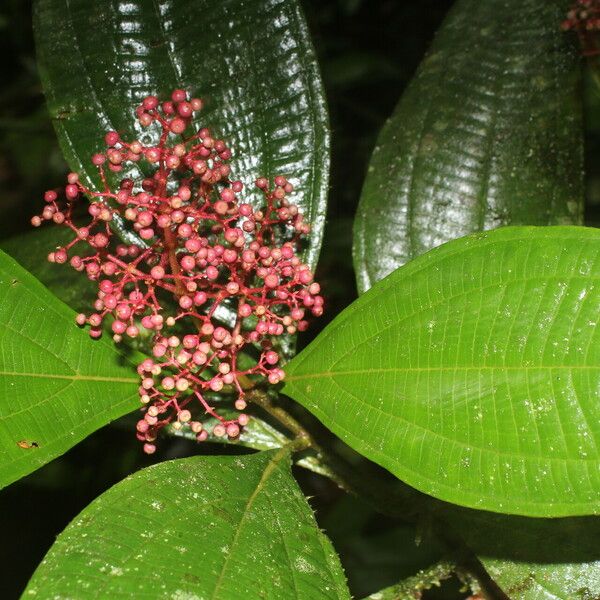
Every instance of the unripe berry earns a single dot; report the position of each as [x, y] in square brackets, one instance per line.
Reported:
[71, 191]
[60, 256]
[233, 430]
[111, 138]
[157, 272]
[219, 430]
[186, 302]
[150, 102]
[178, 125]
[271, 357]
[216, 384]
[184, 416]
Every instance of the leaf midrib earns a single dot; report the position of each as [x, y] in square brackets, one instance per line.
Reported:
[75, 377]
[282, 453]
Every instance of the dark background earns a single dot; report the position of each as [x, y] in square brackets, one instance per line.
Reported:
[368, 50]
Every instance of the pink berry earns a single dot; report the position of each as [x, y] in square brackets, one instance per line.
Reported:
[118, 327]
[271, 281]
[111, 138]
[233, 430]
[187, 263]
[159, 350]
[157, 272]
[150, 102]
[149, 448]
[219, 430]
[186, 302]
[178, 125]
[178, 95]
[271, 357]
[71, 191]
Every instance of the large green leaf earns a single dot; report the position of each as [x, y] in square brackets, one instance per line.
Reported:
[56, 384]
[536, 559]
[487, 134]
[473, 372]
[202, 527]
[252, 62]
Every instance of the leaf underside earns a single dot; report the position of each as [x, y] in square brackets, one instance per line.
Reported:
[533, 559]
[473, 372]
[488, 133]
[203, 527]
[56, 384]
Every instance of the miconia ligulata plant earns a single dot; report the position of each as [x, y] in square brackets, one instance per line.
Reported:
[206, 247]
[447, 419]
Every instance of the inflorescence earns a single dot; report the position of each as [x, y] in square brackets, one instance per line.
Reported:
[210, 277]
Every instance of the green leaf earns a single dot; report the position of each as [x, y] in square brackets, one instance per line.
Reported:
[57, 385]
[202, 527]
[30, 250]
[252, 62]
[473, 372]
[488, 133]
[530, 559]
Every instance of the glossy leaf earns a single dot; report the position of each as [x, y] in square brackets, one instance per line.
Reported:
[57, 385]
[203, 527]
[473, 372]
[488, 133]
[533, 559]
[252, 62]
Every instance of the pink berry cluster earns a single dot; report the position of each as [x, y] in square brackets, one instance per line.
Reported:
[211, 276]
[584, 19]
